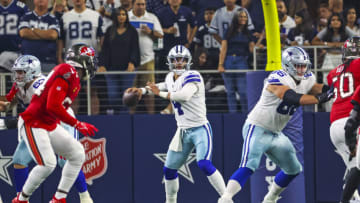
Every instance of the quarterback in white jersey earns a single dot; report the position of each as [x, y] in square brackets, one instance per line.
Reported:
[284, 91]
[185, 89]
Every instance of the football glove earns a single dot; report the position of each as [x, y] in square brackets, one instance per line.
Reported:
[86, 128]
[325, 96]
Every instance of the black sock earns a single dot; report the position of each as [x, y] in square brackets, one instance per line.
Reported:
[352, 182]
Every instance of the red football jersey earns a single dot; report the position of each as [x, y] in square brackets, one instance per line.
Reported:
[345, 83]
[67, 82]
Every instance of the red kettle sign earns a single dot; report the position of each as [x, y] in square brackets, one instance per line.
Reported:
[96, 163]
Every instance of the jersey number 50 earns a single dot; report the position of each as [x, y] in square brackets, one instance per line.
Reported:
[342, 85]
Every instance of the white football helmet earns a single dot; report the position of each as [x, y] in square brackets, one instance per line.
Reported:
[25, 69]
[177, 56]
[292, 59]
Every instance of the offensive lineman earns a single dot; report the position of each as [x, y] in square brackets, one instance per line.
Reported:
[284, 90]
[185, 89]
[27, 78]
[346, 78]
[40, 129]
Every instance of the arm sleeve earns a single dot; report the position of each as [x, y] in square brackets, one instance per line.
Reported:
[56, 96]
[162, 86]
[135, 50]
[185, 93]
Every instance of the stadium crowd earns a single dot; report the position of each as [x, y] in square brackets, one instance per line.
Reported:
[136, 35]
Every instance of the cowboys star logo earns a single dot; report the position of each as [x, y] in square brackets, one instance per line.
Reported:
[5, 162]
[184, 170]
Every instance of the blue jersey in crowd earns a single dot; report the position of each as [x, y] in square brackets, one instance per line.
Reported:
[168, 18]
[204, 39]
[239, 44]
[44, 50]
[9, 22]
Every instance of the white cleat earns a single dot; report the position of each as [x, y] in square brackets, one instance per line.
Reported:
[271, 200]
[85, 197]
[225, 200]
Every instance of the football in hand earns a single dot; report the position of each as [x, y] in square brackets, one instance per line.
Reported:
[130, 99]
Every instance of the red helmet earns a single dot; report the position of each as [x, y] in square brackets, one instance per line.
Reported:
[351, 49]
[83, 56]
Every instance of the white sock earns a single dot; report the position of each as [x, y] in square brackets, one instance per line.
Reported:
[2, 124]
[274, 192]
[37, 175]
[232, 188]
[171, 189]
[69, 174]
[217, 181]
[84, 194]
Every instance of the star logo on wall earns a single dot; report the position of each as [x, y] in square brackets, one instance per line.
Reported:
[5, 162]
[184, 170]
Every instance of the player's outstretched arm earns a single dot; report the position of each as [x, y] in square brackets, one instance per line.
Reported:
[56, 96]
[291, 97]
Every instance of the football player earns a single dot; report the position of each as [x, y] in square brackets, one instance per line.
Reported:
[185, 89]
[39, 124]
[27, 78]
[284, 91]
[345, 78]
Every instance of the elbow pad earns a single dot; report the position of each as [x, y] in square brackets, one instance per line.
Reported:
[291, 97]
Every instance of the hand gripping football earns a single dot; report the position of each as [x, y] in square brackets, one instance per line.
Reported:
[130, 99]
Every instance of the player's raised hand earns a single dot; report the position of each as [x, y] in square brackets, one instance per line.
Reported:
[153, 88]
[86, 128]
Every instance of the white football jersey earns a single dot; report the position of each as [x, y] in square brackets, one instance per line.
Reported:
[24, 96]
[271, 112]
[83, 27]
[191, 113]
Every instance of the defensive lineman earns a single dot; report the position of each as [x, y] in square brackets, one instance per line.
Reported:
[284, 90]
[185, 89]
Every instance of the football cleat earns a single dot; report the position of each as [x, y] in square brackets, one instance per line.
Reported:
[225, 200]
[54, 200]
[271, 200]
[16, 200]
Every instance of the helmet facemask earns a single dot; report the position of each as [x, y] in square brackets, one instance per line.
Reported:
[179, 64]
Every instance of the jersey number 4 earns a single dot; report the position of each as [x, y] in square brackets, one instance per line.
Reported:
[346, 79]
[177, 106]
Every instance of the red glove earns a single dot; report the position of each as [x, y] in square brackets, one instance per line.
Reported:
[85, 128]
[10, 96]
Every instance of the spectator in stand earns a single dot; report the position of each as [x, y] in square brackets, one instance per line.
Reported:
[40, 29]
[334, 36]
[154, 6]
[324, 14]
[59, 7]
[127, 4]
[83, 25]
[350, 16]
[120, 52]
[303, 33]
[295, 6]
[149, 29]
[223, 17]
[336, 6]
[97, 5]
[236, 48]
[256, 14]
[199, 7]
[214, 84]
[177, 22]
[10, 11]
[286, 22]
[106, 8]
[204, 39]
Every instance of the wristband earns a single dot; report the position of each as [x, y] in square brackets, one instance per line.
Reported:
[163, 94]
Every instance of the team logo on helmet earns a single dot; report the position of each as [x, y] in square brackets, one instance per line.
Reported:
[96, 163]
[84, 50]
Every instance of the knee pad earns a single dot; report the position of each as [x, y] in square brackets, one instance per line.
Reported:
[77, 156]
[50, 161]
[170, 174]
[207, 167]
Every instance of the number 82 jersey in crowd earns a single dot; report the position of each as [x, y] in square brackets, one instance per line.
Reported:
[271, 112]
[191, 113]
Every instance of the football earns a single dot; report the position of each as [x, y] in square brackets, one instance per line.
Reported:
[130, 99]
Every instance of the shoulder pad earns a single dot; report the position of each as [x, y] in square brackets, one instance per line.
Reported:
[20, 4]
